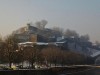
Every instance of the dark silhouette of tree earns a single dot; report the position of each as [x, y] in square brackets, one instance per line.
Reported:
[85, 38]
[51, 54]
[31, 54]
[10, 48]
[54, 55]
[2, 46]
[71, 33]
[41, 24]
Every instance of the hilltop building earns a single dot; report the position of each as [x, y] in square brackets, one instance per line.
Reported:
[29, 35]
[32, 34]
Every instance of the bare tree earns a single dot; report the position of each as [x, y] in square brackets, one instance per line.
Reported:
[41, 24]
[73, 58]
[85, 38]
[38, 24]
[51, 54]
[71, 33]
[2, 59]
[10, 44]
[31, 54]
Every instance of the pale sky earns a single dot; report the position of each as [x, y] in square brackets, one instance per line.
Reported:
[80, 15]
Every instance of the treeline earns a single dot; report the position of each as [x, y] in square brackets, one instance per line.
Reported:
[59, 31]
[71, 34]
[10, 53]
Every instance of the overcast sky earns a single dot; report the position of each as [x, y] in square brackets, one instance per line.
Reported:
[80, 15]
